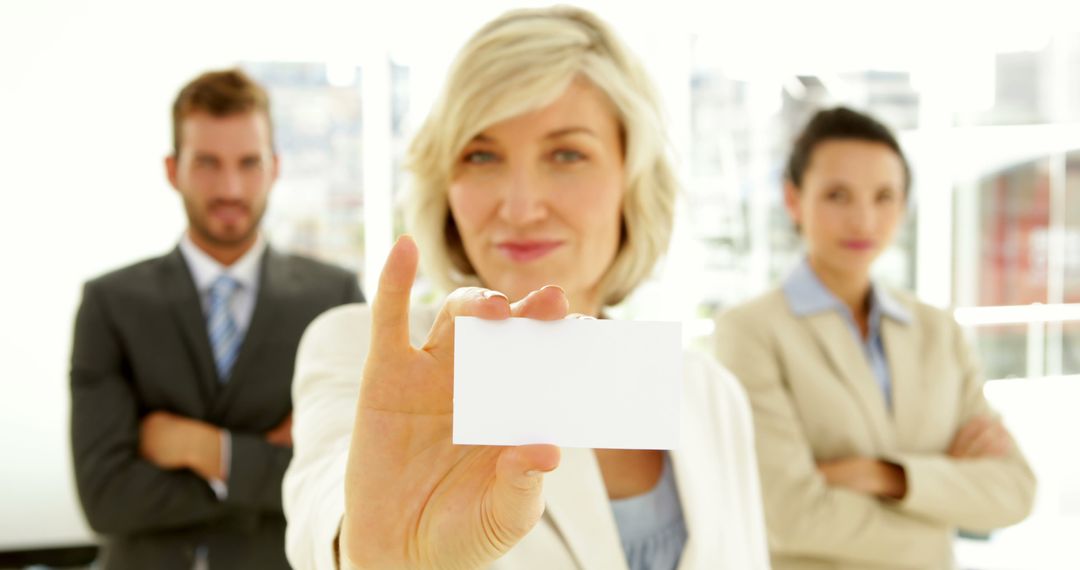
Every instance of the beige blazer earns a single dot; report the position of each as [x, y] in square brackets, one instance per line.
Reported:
[714, 467]
[814, 398]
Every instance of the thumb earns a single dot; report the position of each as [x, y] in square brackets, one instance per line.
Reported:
[517, 499]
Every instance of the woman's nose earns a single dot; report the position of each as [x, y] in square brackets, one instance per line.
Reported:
[863, 218]
[524, 197]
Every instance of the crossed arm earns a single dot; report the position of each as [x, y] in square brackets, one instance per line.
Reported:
[150, 473]
[893, 510]
[981, 437]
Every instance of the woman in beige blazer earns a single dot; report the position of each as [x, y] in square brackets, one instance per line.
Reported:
[874, 440]
[542, 163]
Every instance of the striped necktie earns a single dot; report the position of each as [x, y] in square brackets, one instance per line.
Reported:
[225, 335]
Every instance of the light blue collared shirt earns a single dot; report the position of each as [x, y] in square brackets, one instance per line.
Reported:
[651, 526]
[807, 295]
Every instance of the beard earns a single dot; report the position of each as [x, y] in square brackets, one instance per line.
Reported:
[225, 234]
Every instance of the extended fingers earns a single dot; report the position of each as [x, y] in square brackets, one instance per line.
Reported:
[546, 304]
[465, 302]
[982, 436]
[390, 308]
[992, 441]
[968, 433]
[1003, 445]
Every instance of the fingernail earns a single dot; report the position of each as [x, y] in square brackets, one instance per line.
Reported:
[489, 294]
[546, 287]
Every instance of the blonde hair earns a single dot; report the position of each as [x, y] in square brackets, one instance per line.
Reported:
[520, 62]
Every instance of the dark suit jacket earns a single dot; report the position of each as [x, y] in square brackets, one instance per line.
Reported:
[141, 345]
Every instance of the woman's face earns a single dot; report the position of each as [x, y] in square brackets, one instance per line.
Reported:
[537, 198]
[850, 204]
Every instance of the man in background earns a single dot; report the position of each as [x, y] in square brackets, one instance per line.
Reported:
[181, 366]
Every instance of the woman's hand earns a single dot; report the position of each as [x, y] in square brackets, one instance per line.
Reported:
[413, 499]
[981, 437]
[866, 475]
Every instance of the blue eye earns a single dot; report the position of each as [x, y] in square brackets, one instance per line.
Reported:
[567, 156]
[479, 157]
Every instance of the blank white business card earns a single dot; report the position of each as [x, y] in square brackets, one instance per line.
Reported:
[571, 383]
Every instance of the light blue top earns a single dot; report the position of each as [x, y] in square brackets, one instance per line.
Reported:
[651, 525]
[807, 295]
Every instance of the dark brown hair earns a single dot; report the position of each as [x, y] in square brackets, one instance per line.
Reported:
[840, 123]
[220, 94]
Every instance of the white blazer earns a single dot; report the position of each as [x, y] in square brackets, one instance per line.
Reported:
[715, 468]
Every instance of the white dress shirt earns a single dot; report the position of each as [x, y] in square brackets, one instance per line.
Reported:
[204, 271]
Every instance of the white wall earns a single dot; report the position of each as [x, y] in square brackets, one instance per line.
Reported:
[84, 129]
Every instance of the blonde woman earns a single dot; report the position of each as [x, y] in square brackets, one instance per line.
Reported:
[542, 188]
[874, 440]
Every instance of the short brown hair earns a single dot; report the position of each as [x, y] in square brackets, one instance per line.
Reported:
[220, 94]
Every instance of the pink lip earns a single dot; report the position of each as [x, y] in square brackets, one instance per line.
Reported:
[228, 213]
[523, 251]
[858, 244]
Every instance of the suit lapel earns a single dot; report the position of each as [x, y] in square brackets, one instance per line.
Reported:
[903, 358]
[183, 301]
[274, 281]
[849, 362]
[578, 506]
[700, 514]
